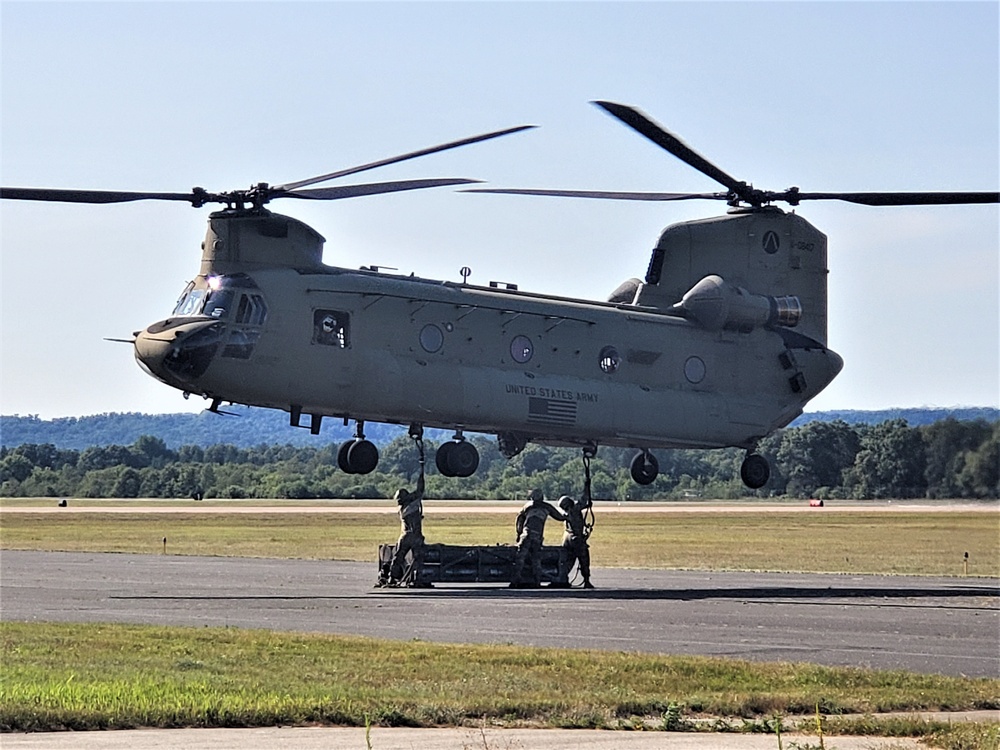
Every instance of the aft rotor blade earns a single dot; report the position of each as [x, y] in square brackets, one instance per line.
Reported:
[89, 196]
[401, 157]
[895, 199]
[666, 140]
[613, 195]
[374, 188]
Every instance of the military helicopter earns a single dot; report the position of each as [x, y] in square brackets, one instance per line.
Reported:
[722, 342]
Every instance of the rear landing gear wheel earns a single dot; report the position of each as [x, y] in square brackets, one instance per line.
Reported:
[644, 468]
[755, 471]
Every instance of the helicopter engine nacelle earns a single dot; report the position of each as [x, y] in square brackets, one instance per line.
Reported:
[717, 305]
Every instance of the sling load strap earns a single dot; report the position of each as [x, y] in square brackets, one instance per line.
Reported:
[588, 512]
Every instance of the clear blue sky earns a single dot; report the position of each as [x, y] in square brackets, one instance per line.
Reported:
[823, 95]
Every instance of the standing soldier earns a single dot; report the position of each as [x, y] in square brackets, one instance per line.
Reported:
[411, 537]
[574, 544]
[530, 528]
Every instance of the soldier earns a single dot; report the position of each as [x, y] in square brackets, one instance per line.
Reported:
[530, 527]
[574, 544]
[411, 537]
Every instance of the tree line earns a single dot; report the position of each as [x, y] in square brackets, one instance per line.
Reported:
[825, 460]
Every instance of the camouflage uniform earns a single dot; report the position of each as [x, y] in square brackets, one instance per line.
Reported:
[574, 544]
[530, 527]
[411, 537]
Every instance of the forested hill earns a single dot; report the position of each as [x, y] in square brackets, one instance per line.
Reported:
[248, 427]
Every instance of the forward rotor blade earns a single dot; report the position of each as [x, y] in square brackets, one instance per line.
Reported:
[401, 157]
[666, 140]
[622, 196]
[374, 188]
[896, 199]
[89, 196]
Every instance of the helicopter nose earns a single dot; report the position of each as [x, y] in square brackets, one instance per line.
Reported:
[177, 351]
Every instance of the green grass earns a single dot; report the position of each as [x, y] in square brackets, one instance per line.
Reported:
[76, 676]
[116, 676]
[858, 542]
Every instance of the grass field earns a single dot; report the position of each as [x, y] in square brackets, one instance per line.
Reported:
[77, 676]
[911, 543]
[109, 676]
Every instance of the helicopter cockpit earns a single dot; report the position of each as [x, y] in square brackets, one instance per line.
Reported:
[219, 296]
[215, 316]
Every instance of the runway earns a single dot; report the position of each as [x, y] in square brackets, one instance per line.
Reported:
[919, 624]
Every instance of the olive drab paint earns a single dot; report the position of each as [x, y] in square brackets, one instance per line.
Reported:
[383, 347]
[722, 342]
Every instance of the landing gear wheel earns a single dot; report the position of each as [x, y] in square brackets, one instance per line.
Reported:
[464, 459]
[342, 457]
[644, 468]
[457, 458]
[362, 456]
[441, 459]
[358, 456]
[755, 471]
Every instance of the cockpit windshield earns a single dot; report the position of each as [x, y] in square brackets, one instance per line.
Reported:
[216, 297]
[191, 301]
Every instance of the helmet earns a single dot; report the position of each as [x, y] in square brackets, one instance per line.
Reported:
[536, 496]
[402, 495]
[565, 502]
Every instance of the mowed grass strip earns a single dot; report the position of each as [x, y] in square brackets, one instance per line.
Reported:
[911, 543]
[91, 676]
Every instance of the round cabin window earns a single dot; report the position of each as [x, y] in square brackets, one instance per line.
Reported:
[610, 359]
[521, 349]
[694, 370]
[431, 338]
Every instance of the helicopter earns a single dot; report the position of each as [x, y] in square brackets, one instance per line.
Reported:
[722, 342]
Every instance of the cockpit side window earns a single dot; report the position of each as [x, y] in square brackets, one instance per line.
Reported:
[251, 311]
[245, 326]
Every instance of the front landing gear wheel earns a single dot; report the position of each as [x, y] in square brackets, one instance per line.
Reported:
[358, 456]
[755, 471]
[644, 468]
[457, 458]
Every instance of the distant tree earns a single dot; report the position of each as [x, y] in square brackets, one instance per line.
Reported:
[980, 475]
[106, 457]
[44, 456]
[890, 463]
[817, 455]
[224, 453]
[401, 458]
[15, 467]
[127, 484]
[949, 443]
[191, 454]
[151, 451]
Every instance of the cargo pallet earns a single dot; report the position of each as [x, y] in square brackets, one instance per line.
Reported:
[447, 563]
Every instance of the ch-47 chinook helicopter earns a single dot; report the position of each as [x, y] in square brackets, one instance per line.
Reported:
[722, 342]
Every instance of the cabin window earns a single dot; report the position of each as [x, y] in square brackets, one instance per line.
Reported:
[694, 370]
[431, 338]
[521, 349]
[610, 359]
[332, 328]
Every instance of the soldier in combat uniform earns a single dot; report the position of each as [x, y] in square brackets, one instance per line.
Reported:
[574, 544]
[411, 537]
[530, 527]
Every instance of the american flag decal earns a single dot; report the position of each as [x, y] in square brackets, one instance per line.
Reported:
[551, 411]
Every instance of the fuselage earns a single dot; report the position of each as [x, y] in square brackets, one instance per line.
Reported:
[287, 332]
